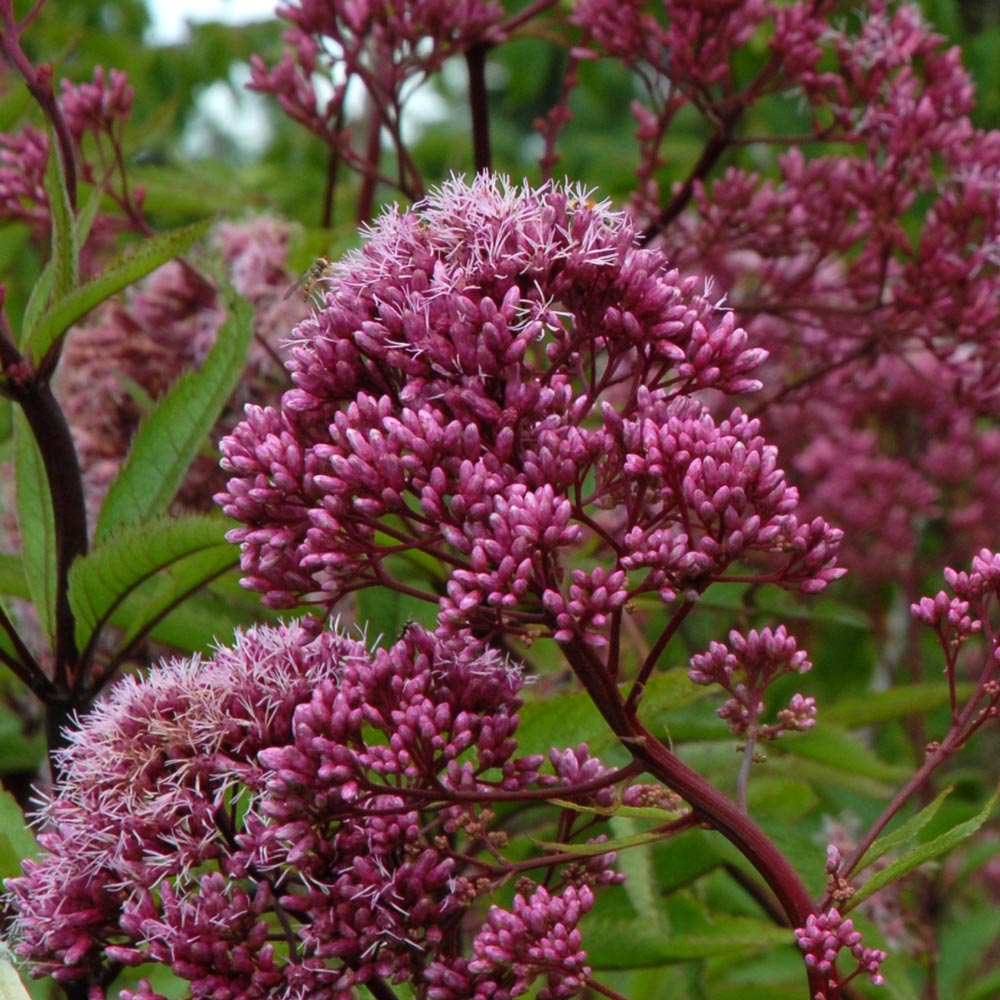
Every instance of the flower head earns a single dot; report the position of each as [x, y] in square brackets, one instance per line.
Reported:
[745, 669]
[296, 815]
[499, 378]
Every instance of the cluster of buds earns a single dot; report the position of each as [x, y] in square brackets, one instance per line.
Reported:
[299, 815]
[501, 379]
[745, 669]
[825, 936]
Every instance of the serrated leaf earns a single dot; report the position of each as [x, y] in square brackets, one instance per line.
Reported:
[605, 938]
[100, 581]
[592, 850]
[894, 702]
[640, 878]
[627, 812]
[137, 261]
[571, 719]
[829, 744]
[41, 292]
[86, 216]
[170, 438]
[904, 833]
[65, 252]
[212, 612]
[38, 300]
[172, 588]
[922, 853]
[37, 524]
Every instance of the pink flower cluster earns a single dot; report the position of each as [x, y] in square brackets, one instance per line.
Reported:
[745, 670]
[383, 47]
[826, 935]
[499, 379]
[99, 108]
[868, 269]
[297, 815]
[958, 617]
[538, 933]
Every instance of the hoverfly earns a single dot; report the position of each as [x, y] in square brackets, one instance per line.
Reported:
[308, 281]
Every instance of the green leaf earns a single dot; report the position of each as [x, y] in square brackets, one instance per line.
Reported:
[36, 521]
[7, 647]
[218, 609]
[646, 946]
[136, 262]
[640, 876]
[100, 581]
[571, 719]
[894, 702]
[170, 589]
[12, 580]
[613, 844]
[904, 833]
[41, 295]
[86, 215]
[170, 438]
[922, 853]
[829, 744]
[19, 751]
[16, 839]
[65, 252]
[653, 813]
[985, 988]
[41, 292]
[787, 799]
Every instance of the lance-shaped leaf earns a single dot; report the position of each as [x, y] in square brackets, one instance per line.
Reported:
[895, 702]
[218, 608]
[170, 437]
[647, 946]
[16, 839]
[640, 875]
[170, 589]
[922, 853]
[37, 524]
[100, 581]
[65, 250]
[41, 293]
[904, 833]
[72, 305]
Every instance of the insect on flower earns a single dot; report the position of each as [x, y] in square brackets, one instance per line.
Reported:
[308, 281]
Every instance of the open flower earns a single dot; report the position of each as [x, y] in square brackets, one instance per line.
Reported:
[297, 816]
[501, 378]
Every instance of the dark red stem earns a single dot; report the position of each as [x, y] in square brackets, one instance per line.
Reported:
[475, 61]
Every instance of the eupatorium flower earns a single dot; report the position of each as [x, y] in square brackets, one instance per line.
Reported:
[296, 816]
[501, 378]
[99, 108]
[745, 669]
[825, 935]
[383, 46]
